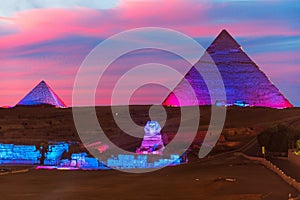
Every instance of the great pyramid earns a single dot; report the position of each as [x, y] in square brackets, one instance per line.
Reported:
[42, 94]
[243, 80]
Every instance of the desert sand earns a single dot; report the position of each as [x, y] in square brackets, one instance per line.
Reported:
[226, 177]
[195, 180]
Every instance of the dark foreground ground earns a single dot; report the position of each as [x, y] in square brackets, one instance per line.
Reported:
[196, 180]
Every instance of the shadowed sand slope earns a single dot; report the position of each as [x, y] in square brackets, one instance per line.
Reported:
[34, 125]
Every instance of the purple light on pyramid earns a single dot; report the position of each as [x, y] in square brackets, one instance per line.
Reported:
[42, 94]
[243, 80]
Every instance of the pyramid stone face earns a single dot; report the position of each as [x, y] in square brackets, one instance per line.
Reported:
[243, 80]
[42, 94]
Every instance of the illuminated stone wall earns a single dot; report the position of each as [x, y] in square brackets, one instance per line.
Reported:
[54, 152]
[123, 161]
[19, 154]
[29, 154]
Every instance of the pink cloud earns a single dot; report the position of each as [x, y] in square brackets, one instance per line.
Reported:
[29, 27]
[191, 18]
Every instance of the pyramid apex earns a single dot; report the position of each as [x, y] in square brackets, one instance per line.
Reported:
[224, 31]
[42, 82]
[225, 34]
[224, 41]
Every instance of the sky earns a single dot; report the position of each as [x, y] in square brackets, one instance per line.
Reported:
[49, 39]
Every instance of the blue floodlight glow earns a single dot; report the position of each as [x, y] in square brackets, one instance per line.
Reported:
[241, 103]
[19, 154]
[54, 153]
[124, 161]
[29, 154]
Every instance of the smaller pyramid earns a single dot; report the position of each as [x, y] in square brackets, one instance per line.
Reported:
[42, 94]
